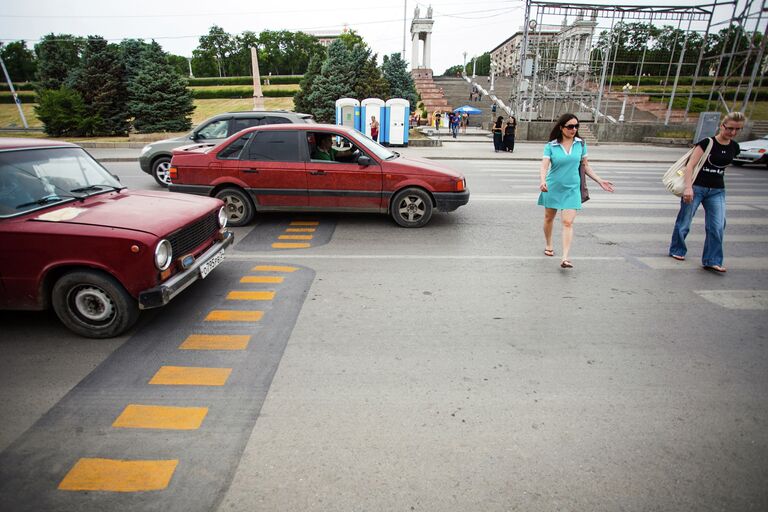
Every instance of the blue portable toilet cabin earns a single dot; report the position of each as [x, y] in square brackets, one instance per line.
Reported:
[398, 113]
[372, 107]
[348, 113]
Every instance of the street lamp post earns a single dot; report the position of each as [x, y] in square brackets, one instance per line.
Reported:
[626, 90]
[474, 63]
[464, 67]
[493, 75]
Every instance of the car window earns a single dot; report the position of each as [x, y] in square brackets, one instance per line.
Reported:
[246, 122]
[232, 152]
[276, 120]
[342, 149]
[214, 130]
[274, 146]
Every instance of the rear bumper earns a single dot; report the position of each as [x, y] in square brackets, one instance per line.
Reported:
[449, 201]
[164, 293]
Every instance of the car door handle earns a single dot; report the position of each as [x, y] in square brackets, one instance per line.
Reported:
[317, 173]
[252, 171]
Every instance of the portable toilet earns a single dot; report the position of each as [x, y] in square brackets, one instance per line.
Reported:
[398, 112]
[372, 107]
[348, 113]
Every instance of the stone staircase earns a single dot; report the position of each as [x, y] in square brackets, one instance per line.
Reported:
[432, 95]
[585, 132]
[759, 129]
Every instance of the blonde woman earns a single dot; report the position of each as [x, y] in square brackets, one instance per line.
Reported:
[708, 190]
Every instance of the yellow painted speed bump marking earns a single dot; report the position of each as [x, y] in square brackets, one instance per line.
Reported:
[243, 295]
[290, 246]
[216, 342]
[224, 315]
[295, 237]
[190, 376]
[304, 223]
[155, 416]
[262, 279]
[300, 230]
[273, 268]
[119, 475]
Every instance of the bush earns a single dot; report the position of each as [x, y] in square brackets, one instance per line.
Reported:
[210, 93]
[244, 80]
[63, 113]
[22, 86]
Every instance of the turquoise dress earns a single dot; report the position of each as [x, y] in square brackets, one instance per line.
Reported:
[563, 181]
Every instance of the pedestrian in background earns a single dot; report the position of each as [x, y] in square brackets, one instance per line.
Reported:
[561, 183]
[464, 122]
[708, 189]
[497, 132]
[374, 129]
[455, 120]
[509, 134]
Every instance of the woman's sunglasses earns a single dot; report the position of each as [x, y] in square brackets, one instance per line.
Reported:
[571, 126]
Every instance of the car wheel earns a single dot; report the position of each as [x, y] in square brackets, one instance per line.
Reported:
[161, 171]
[93, 304]
[411, 208]
[238, 206]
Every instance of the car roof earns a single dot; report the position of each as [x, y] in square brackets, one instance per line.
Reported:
[317, 127]
[7, 143]
[252, 113]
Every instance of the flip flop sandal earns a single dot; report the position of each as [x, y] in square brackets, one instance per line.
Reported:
[549, 252]
[678, 258]
[715, 268]
[566, 264]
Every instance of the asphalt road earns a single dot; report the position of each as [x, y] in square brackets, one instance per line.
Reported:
[453, 367]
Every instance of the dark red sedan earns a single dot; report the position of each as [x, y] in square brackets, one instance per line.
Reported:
[315, 168]
[73, 238]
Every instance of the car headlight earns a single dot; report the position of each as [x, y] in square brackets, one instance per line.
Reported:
[163, 255]
[222, 217]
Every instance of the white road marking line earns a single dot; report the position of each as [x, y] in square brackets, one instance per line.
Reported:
[693, 263]
[247, 256]
[665, 237]
[737, 299]
[613, 219]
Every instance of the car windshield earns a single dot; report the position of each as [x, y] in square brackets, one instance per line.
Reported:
[35, 178]
[374, 147]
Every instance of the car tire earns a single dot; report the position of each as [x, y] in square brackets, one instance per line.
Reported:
[93, 304]
[161, 171]
[238, 205]
[411, 208]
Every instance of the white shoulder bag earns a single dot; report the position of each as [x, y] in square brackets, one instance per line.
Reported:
[674, 179]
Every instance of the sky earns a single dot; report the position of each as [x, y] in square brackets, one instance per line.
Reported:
[460, 26]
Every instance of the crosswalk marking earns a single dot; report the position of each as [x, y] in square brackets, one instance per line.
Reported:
[618, 219]
[737, 299]
[112, 475]
[694, 263]
[250, 295]
[190, 376]
[262, 279]
[216, 342]
[223, 315]
[666, 237]
[161, 417]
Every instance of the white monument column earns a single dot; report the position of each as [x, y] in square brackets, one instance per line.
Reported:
[421, 29]
[427, 50]
[414, 50]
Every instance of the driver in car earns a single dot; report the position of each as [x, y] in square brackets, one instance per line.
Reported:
[326, 151]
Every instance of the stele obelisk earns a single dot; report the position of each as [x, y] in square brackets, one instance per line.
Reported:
[258, 96]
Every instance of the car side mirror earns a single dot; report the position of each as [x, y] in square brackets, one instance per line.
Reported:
[364, 160]
[116, 177]
[193, 136]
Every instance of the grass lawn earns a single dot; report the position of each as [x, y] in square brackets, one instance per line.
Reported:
[278, 87]
[9, 115]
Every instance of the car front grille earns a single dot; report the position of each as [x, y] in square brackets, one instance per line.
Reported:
[189, 237]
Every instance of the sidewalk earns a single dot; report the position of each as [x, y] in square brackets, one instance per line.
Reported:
[471, 149]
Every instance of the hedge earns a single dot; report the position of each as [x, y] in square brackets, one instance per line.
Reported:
[210, 93]
[22, 86]
[245, 80]
[24, 97]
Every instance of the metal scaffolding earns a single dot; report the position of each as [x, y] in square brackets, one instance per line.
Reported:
[591, 63]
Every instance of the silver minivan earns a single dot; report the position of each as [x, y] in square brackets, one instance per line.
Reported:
[155, 158]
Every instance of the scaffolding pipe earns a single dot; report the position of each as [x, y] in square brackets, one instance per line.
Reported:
[677, 75]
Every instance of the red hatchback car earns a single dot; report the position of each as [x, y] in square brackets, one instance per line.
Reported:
[76, 240]
[315, 167]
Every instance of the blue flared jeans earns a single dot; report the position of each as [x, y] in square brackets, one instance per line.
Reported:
[713, 200]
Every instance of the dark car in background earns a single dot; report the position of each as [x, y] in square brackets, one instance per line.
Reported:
[155, 158]
[279, 168]
[74, 239]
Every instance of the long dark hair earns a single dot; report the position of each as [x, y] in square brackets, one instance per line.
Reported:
[556, 132]
[499, 120]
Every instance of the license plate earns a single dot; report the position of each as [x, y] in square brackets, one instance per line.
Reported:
[211, 264]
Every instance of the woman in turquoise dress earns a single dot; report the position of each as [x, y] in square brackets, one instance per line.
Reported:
[560, 181]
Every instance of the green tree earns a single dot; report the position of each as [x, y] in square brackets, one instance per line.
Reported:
[453, 70]
[336, 80]
[64, 114]
[219, 45]
[370, 83]
[400, 80]
[300, 102]
[19, 61]
[179, 63]
[483, 64]
[159, 99]
[57, 56]
[100, 80]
